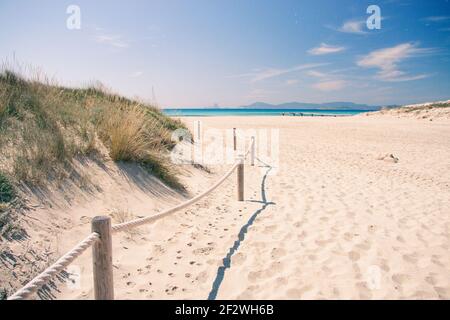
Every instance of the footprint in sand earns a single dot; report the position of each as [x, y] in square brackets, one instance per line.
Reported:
[203, 251]
[364, 291]
[312, 257]
[171, 290]
[302, 235]
[411, 258]
[277, 253]
[85, 219]
[281, 281]
[295, 293]
[269, 229]
[366, 245]
[384, 265]
[202, 277]
[298, 224]
[254, 275]
[348, 236]
[238, 259]
[435, 260]
[399, 278]
[371, 228]
[431, 279]
[322, 243]
[354, 256]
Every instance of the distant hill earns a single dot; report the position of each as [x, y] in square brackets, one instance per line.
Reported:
[305, 105]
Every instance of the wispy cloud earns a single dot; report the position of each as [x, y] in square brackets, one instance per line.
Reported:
[436, 18]
[112, 40]
[328, 81]
[268, 73]
[353, 26]
[291, 82]
[331, 85]
[387, 60]
[325, 49]
[317, 74]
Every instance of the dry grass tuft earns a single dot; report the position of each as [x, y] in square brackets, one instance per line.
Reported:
[121, 216]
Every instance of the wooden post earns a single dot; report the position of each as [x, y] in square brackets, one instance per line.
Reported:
[234, 139]
[253, 152]
[199, 133]
[240, 179]
[102, 259]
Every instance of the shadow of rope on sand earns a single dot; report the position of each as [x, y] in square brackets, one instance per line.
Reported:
[241, 236]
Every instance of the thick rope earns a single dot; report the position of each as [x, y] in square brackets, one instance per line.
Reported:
[145, 220]
[141, 221]
[35, 284]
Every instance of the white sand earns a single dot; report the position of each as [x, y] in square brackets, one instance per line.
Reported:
[340, 224]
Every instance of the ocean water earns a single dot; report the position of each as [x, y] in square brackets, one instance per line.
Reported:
[257, 112]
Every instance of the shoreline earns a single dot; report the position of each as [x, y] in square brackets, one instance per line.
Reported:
[261, 112]
[263, 115]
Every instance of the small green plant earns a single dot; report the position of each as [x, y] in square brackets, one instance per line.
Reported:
[6, 189]
[3, 294]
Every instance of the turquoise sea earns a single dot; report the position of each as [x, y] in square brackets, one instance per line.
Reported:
[257, 112]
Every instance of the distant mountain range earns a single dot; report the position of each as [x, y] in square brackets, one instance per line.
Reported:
[305, 105]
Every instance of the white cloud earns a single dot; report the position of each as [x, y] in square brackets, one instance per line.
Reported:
[136, 74]
[387, 60]
[325, 49]
[353, 26]
[268, 73]
[331, 85]
[112, 40]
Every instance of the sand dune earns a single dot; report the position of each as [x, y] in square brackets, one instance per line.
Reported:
[430, 111]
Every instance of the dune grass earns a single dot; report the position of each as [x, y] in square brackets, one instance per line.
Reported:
[6, 189]
[44, 126]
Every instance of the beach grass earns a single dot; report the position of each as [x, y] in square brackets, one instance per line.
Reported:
[45, 126]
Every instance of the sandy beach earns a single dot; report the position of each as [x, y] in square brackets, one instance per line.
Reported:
[219, 150]
[340, 218]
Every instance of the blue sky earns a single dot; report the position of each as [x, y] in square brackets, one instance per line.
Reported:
[235, 52]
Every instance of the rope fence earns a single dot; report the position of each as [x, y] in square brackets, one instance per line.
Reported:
[101, 238]
[35, 284]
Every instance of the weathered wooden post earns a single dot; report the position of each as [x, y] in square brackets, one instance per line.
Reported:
[253, 152]
[234, 139]
[240, 178]
[102, 259]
